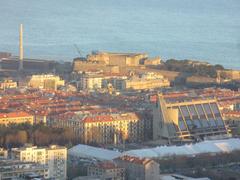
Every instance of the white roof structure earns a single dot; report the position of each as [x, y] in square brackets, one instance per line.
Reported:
[177, 177]
[213, 146]
[85, 151]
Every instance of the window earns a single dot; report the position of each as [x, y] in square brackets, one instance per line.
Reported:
[193, 111]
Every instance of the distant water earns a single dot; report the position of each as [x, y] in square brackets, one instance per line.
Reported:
[207, 30]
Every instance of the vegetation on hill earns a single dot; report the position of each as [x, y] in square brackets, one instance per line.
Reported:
[193, 67]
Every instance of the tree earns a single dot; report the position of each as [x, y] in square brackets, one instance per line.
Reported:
[22, 137]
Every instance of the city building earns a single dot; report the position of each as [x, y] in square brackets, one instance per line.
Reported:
[230, 74]
[55, 157]
[46, 81]
[187, 118]
[8, 84]
[143, 82]
[117, 59]
[89, 81]
[3, 153]
[152, 61]
[139, 168]
[105, 128]
[79, 66]
[106, 170]
[15, 169]
[17, 117]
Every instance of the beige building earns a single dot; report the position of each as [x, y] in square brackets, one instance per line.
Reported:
[230, 74]
[16, 118]
[118, 59]
[55, 157]
[103, 128]
[187, 118]
[144, 82]
[8, 84]
[79, 66]
[106, 170]
[46, 81]
[137, 168]
[152, 61]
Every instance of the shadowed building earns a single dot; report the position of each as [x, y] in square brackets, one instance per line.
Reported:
[187, 119]
[139, 168]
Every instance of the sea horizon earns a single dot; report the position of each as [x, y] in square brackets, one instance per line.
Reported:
[205, 30]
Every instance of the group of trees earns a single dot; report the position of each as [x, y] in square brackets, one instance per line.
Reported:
[175, 163]
[193, 67]
[15, 135]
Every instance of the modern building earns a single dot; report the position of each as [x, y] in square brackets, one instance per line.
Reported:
[187, 118]
[46, 81]
[107, 128]
[55, 157]
[139, 168]
[16, 118]
[106, 170]
[8, 84]
[15, 169]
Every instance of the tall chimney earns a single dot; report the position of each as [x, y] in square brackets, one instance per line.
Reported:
[21, 47]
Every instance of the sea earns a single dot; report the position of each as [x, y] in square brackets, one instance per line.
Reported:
[204, 30]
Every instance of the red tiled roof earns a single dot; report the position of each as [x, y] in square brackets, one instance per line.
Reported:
[135, 160]
[99, 118]
[14, 114]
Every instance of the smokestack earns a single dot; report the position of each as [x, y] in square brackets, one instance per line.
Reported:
[21, 47]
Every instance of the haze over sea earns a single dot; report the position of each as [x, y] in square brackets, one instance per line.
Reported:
[206, 30]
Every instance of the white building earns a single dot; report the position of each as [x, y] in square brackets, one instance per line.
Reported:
[45, 81]
[89, 80]
[54, 156]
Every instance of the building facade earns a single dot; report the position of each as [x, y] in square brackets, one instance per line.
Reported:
[117, 59]
[55, 157]
[106, 128]
[14, 169]
[106, 171]
[16, 118]
[187, 119]
[143, 82]
[8, 84]
[46, 81]
[137, 168]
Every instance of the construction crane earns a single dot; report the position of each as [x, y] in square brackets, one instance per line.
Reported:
[79, 52]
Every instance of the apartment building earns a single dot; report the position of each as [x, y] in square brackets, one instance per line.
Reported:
[16, 118]
[89, 81]
[45, 81]
[8, 84]
[106, 170]
[137, 168]
[55, 157]
[105, 128]
[15, 169]
[187, 118]
[143, 82]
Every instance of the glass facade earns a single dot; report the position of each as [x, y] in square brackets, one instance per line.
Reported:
[199, 117]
